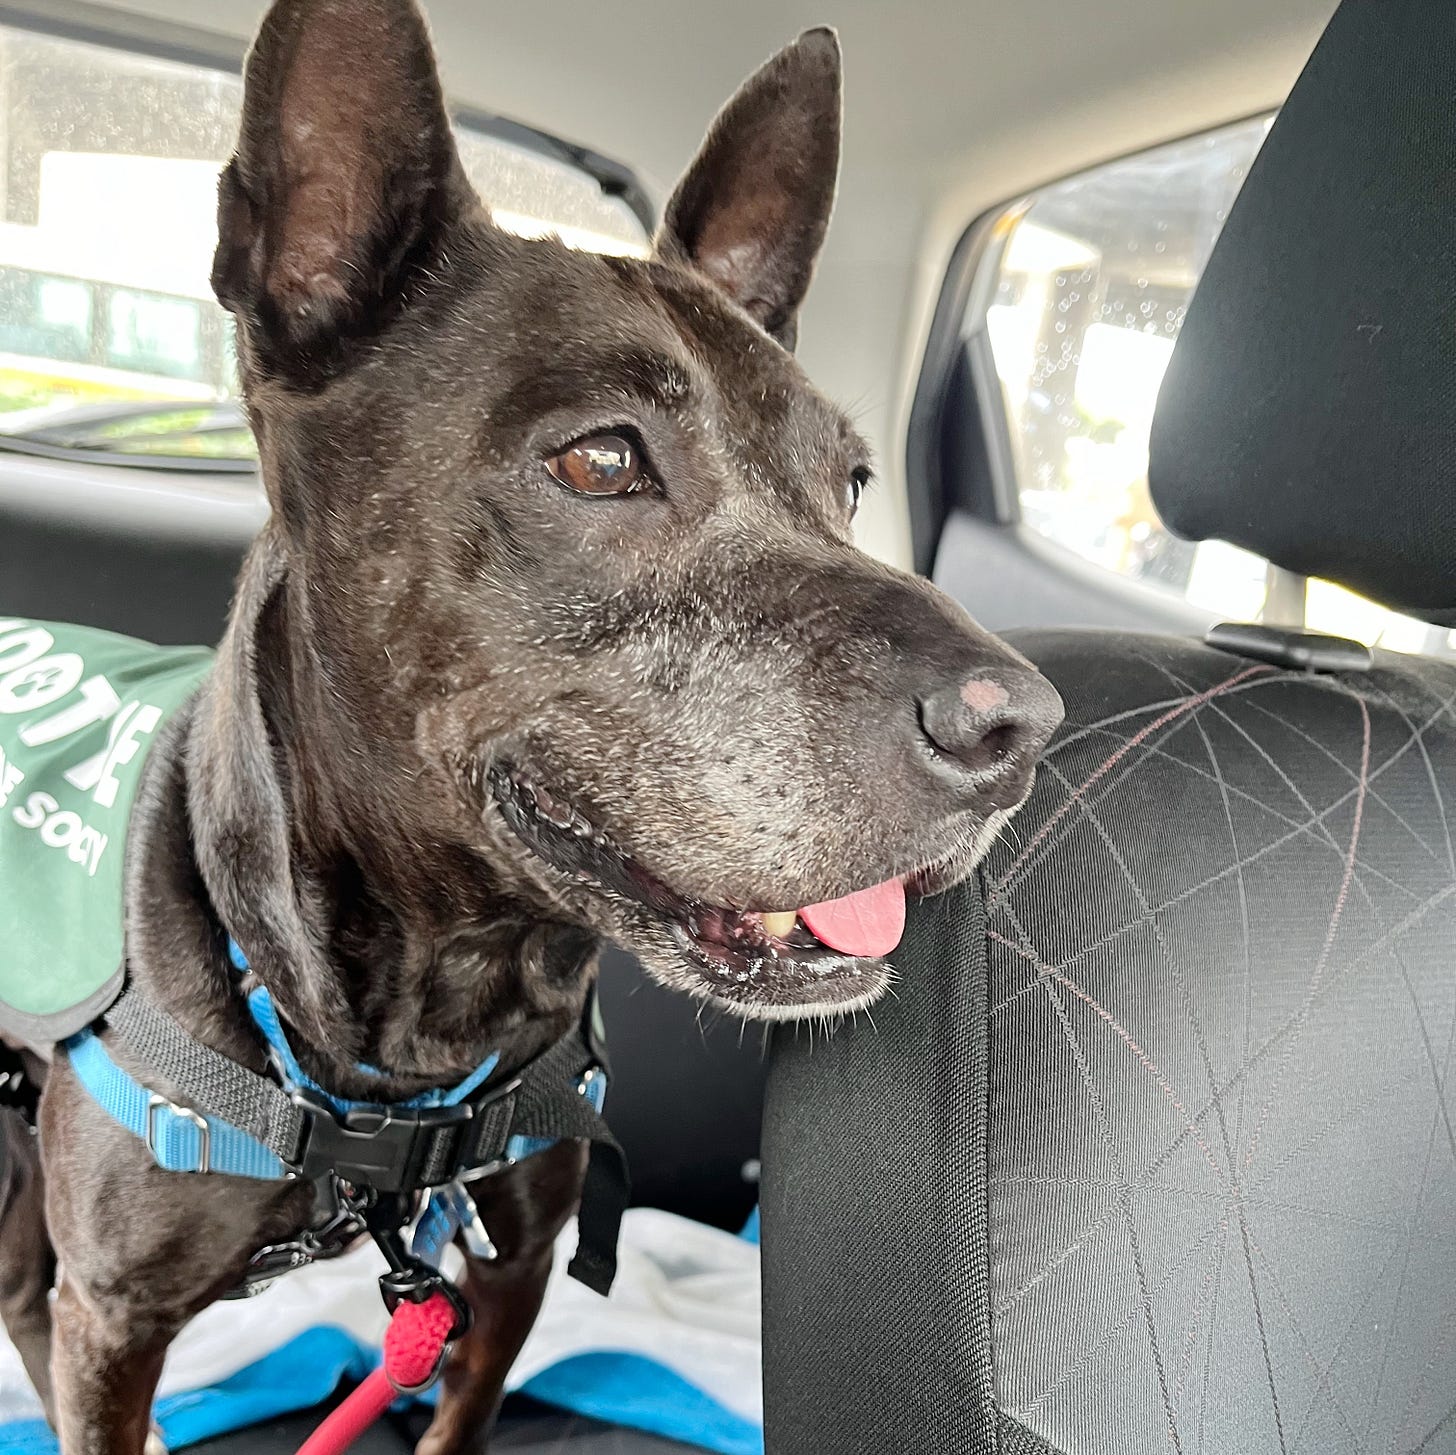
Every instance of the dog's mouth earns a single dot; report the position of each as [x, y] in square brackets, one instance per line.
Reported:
[769, 964]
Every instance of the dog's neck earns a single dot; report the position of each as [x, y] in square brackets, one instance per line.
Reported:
[379, 944]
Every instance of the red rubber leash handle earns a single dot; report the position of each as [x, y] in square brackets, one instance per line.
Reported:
[414, 1349]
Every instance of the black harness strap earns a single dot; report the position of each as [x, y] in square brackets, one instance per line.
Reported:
[404, 1151]
[541, 1111]
[215, 1084]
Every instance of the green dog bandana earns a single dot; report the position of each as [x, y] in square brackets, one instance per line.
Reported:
[79, 710]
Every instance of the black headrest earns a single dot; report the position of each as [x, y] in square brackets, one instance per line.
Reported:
[1308, 412]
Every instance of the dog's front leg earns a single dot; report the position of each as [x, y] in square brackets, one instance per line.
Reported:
[27, 1265]
[141, 1251]
[106, 1372]
[523, 1209]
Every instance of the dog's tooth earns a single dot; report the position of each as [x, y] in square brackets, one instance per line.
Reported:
[780, 923]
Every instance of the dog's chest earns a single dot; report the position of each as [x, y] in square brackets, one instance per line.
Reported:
[79, 710]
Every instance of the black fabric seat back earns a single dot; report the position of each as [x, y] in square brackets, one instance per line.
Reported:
[1152, 1149]
[685, 1100]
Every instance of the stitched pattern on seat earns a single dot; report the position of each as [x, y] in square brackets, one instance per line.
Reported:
[1222, 949]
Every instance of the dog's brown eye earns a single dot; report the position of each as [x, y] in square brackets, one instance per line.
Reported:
[605, 464]
[858, 482]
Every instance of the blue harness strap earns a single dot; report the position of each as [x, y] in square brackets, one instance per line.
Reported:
[294, 1077]
[180, 1139]
[408, 1158]
[184, 1140]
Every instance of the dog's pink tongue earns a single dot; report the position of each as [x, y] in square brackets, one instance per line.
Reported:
[868, 922]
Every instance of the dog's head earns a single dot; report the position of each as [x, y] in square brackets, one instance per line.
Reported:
[570, 536]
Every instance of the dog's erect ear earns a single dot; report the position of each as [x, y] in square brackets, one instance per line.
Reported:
[752, 210]
[345, 170]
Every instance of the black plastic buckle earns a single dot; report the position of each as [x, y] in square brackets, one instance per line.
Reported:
[388, 1150]
[376, 1147]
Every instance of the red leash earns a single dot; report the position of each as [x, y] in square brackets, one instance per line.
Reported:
[414, 1353]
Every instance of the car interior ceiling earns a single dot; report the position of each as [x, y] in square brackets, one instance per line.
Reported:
[1288, 425]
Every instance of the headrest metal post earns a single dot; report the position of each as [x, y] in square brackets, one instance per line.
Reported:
[1285, 597]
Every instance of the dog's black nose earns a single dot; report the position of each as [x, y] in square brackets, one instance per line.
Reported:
[989, 729]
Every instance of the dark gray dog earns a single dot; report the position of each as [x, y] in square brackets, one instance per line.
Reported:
[557, 632]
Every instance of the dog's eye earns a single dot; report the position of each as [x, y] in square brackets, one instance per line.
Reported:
[859, 480]
[605, 464]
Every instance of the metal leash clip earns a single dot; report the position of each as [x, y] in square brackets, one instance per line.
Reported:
[330, 1239]
[446, 1212]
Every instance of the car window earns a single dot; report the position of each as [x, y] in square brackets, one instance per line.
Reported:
[110, 339]
[1085, 287]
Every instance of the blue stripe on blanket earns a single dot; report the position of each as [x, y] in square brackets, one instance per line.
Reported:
[627, 1389]
[304, 1372]
[621, 1389]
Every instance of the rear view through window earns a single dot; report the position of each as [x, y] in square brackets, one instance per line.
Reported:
[110, 339]
[1091, 280]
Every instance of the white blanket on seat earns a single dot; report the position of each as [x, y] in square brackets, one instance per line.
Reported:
[675, 1349]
